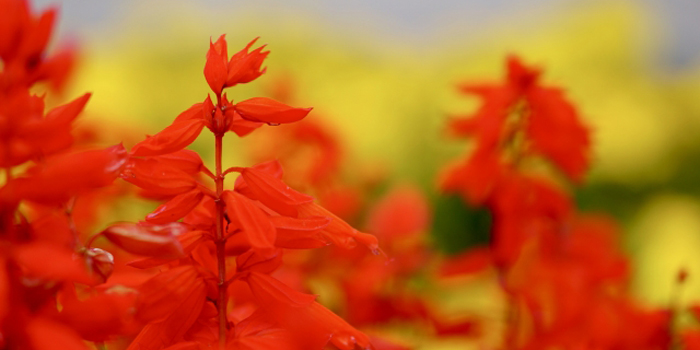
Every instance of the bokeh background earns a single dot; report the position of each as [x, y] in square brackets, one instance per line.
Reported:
[382, 75]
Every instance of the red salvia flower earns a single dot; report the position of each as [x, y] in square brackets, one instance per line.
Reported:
[189, 301]
[562, 272]
[23, 39]
[50, 283]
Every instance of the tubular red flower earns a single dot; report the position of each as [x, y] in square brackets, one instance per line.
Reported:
[274, 193]
[338, 231]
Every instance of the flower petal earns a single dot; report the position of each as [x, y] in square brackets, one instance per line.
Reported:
[263, 109]
[176, 208]
[251, 219]
[244, 66]
[175, 137]
[216, 68]
[274, 193]
[145, 239]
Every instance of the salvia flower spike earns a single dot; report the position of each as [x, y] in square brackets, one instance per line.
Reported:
[199, 230]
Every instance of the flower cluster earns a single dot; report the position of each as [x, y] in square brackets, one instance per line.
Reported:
[43, 263]
[562, 271]
[217, 248]
[224, 263]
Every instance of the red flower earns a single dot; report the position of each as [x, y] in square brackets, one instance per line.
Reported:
[27, 135]
[64, 176]
[23, 40]
[243, 67]
[548, 122]
[190, 299]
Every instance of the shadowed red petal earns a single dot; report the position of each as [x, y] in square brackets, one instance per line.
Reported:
[115, 311]
[37, 35]
[271, 167]
[299, 233]
[306, 318]
[251, 219]
[188, 240]
[64, 264]
[45, 334]
[273, 292]
[175, 208]
[161, 295]
[190, 345]
[258, 333]
[142, 239]
[253, 260]
[240, 126]
[4, 290]
[186, 310]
